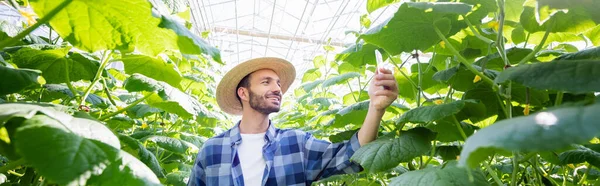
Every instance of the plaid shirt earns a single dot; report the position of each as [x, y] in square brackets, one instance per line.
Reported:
[292, 157]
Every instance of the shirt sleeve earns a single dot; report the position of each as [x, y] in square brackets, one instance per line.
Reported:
[197, 176]
[326, 159]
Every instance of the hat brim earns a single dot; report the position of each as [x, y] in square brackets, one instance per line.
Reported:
[226, 90]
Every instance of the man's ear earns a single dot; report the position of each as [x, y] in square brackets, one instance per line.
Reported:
[243, 93]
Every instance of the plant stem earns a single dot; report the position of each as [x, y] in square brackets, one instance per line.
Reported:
[108, 92]
[559, 98]
[400, 70]
[419, 79]
[477, 34]
[515, 164]
[352, 92]
[587, 171]
[460, 129]
[103, 64]
[539, 46]
[500, 38]
[12, 165]
[68, 77]
[430, 155]
[492, 173]
[464, 61]
[40, 22]
[124, 109]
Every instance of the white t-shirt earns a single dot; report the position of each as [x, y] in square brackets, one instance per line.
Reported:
[251, 158]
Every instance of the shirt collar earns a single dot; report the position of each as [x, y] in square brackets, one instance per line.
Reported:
[236, 137]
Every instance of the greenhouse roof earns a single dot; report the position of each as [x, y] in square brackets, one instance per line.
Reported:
[293, 30]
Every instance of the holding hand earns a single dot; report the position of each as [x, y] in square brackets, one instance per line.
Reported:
[383, 89]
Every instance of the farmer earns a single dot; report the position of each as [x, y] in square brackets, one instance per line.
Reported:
[254, 152]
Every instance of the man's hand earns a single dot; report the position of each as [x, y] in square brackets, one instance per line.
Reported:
[383, 89]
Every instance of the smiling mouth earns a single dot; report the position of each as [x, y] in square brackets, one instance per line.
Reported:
[278, 99]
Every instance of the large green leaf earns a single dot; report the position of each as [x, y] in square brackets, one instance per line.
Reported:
[481, 8]
[575, 21]
[449, 175]
[359, 55]
[579, 155]
[384, 154]
[425, 114]
[172, 144]
[448, 132]
[592, 53]
[142, 110]
[495, 62]
[594, 35]
[448, 152]
[460, 78]
[397, 34]
[51, 60]
[94, 25]
[67, 158]
[53, 92]
[589, 7]
[188, 42]
[15, 80]
[152, 67]
[562, 126]
[373, 5]
[178, 178]
[572, 76]
[340, 79]
[353, 114]
[83, 127]
[166, 98]
[143, 154]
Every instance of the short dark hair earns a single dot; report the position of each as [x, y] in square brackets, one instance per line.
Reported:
[245, 82]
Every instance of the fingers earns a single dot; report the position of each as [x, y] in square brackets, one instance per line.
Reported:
[387, 83]
[384, 77]
[386, 93]
[383, 71]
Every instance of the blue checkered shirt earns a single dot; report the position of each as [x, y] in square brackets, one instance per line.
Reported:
[293, 157]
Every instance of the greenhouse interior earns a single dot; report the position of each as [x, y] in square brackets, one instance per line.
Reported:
[304, 92]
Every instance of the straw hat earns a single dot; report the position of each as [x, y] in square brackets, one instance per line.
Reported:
[227, 92]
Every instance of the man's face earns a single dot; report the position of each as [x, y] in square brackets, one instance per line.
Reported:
[265, 91]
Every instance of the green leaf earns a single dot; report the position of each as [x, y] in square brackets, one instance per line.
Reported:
[340, 79]
[461, 78]
[396, 35]
[51, 60]
[188, 42]
[449, 175]
[342, 136]
[77, 158]
[120, 123]
[353, 114]
[172, 144]
[110, 24]
[198, 141]
[448, 132]
[373, 5]
[448, 152]
[562, 126]
[311, 75]
[166, 98]
[152, 67]
[178, 178]
[360, 55]
[513, 9]
[495, 62]
[579, 155]
[589, 7]
[592, 53]
[53, 92]
[481, 8]
[143, 154]
[312, 85]
[17, 80]
[442, 7]
[593, 35]
[142, 110]
[384, 154]
[573, 21]
[425, 114]
[319, 61]
[572, 76]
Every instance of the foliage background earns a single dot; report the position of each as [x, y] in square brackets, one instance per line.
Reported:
[491, 93]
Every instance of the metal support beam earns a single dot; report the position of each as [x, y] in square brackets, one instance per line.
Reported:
[276, 36]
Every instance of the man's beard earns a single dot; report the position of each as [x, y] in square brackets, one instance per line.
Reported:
[259, 103]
